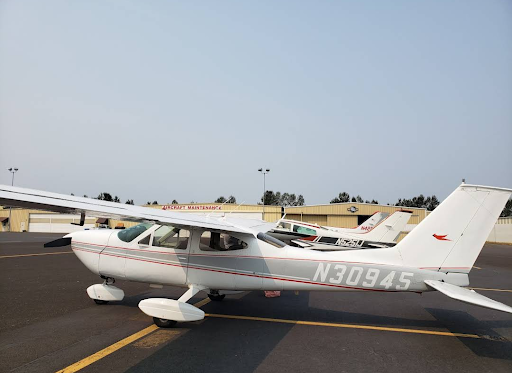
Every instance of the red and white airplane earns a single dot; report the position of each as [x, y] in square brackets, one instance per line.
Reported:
[315, 237]
[218, 255]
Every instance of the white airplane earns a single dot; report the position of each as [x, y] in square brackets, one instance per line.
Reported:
[367, 225]
[287, 229]
[316, 237]
[169, 248]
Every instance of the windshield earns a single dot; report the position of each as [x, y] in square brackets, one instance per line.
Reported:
[271, 240]
[128, 235]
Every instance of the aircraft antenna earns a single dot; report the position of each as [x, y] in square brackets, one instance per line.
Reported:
[226, 201]
[236, 207]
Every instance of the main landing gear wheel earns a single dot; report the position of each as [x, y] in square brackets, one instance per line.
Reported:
[216, 297]
[164, 323]
[99, 301]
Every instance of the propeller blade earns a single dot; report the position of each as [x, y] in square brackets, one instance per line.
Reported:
[64, 241]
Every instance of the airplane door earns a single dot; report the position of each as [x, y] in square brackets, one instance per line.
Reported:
[249, 264]
[160, 256]
[210, 263]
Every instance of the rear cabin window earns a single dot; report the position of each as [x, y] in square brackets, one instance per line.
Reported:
[215, 241]
[304, 230]
[128, 235]
[171, 237]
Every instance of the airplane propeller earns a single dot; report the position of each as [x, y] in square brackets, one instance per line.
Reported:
[64, 241]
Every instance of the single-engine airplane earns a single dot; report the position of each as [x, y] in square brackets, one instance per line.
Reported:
[316, 237]
[218, 255]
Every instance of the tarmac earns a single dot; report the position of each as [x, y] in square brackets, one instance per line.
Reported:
[49, 324]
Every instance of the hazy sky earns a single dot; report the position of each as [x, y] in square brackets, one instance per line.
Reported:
[186, 100]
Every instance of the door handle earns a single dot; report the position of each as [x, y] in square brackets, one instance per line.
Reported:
[182, 257]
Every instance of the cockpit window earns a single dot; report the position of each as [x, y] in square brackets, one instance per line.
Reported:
[271, 240]
[304, 230]
[128, 235]
[171, 237]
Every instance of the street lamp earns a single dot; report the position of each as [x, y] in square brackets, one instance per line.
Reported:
[12, 170]
[264, 171]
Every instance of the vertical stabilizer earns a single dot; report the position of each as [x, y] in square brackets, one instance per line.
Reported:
[387, 230]
[451, 237]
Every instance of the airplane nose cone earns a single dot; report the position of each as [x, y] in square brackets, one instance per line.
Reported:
[87, 246]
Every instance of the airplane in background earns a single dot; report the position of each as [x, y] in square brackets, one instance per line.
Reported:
[219, 255]
[315, 237]
[287, 229]
[367, 225]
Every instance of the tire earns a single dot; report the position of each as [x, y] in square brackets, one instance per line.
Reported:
[216, 297]
[164, 323]
[99, 301]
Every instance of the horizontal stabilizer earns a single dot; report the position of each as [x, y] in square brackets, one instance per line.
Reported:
[467, 296]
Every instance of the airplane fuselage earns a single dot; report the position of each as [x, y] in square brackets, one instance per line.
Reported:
[257, 266]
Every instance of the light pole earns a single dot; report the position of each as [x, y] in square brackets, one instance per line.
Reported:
[12, 170]
[264, 171]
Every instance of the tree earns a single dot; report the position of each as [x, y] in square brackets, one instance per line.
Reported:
[285, 199]
[222, 199]
[85, 196]
[129, 202]
[359, 199]
[430, 203]
[271, 198]
[291, 200]
[72, 194]
[342, 197]
[148, 203]
[174, 202]
[375, 202]
[105, 197]
[507, 210]
[116, 199]
[155, 203]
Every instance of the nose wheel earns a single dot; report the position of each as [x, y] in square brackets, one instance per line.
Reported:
[164, 323]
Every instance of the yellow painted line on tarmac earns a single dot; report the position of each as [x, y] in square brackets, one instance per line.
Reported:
[475, 267]
[350, 326]
[79, 365]
[40, 254]
[107, 351]
[484, 289]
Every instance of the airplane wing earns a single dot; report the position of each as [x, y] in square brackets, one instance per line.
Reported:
[36, 199]
[467, 296]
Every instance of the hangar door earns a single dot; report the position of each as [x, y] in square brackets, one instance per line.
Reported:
[57, 223]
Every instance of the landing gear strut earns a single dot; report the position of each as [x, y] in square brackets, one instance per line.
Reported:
[215, 296]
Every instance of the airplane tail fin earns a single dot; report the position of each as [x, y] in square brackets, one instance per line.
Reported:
[451, 237]
[371, 222]
[388, 229]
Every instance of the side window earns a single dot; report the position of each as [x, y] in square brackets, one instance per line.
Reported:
[328, 239]
[171, 237]
[145, 240]
[285, 226]
[304, 230]
[214, 241]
